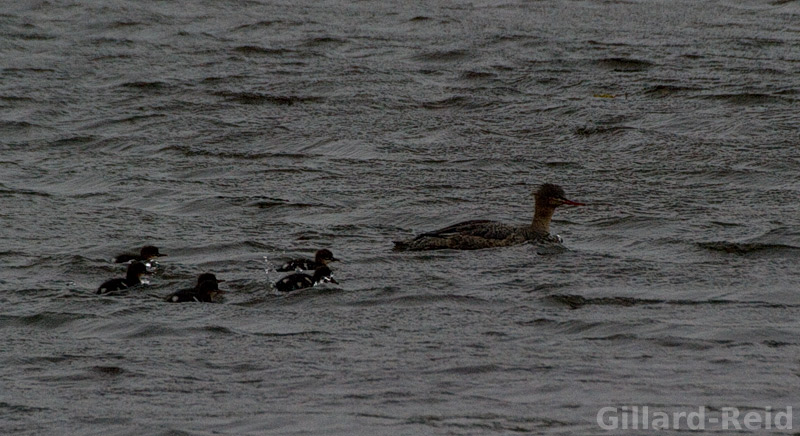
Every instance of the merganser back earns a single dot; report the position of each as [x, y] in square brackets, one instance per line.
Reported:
[293, 282]
[205, 291]
[321, 258]
[147, 252]
[477, 234]
[133, 277]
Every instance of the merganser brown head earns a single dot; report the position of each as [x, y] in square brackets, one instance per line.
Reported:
[548, 198]
[322, 257]
[550, 195]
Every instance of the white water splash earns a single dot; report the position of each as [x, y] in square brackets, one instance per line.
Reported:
[151, 266]
[269, 268]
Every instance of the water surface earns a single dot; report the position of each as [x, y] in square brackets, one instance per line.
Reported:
[234, 135]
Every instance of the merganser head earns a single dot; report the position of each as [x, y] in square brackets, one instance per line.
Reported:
[322, 257]
[149, 251]
[323, 274]
[136, 270]
[207, 277]
[551, 196]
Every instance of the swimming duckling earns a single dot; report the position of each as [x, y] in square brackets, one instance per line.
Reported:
[296, 281]
[205, 292]
[321, 258]
[133, 277]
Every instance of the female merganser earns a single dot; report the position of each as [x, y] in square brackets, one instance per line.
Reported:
[477, 234]
[148, 252]
[321, 258]
[293, 282]
[205, 291]
[136, 270]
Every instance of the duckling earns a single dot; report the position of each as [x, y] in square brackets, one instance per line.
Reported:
[321, 258]
[133, 277]
[296, 281]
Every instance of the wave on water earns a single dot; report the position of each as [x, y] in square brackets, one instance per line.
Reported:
[145, 85]
[256, 50]
[443, 56]
[422, 299]
[258, 98]
[578, 301]
[258, 25]
[625, 64]
[324, 40]
[588, 130]
[17, 191]
[477, 75]
[190, 151]
[780, 240]
[17, 125]
[745, 248]
[749, 98]
[669, 90]
[46, 320]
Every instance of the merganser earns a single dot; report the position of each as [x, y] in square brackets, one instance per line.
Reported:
[321, 258]
[293, 282]
[133, 277]
[205, 291]
[477, 234]
[147, 252]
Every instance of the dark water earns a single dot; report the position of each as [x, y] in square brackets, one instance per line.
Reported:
[230, 132]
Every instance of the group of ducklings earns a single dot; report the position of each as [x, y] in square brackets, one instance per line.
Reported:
[467, 235]
[207, 287]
